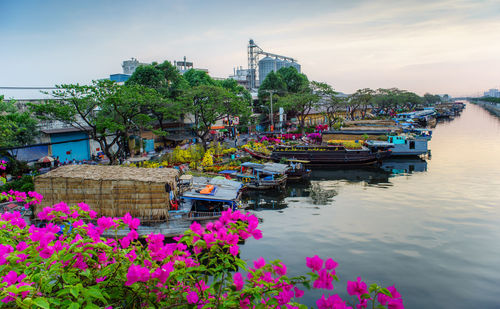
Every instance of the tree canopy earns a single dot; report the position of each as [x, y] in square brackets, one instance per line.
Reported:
[17, 128]
[104, 109]
[207, 104]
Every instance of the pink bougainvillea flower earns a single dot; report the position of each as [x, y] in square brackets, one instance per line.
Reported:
[357, 287]
[100, 279]
[259, 263]
[162, 273]
[324, 280]
[332, 302]
[234, 249]
[238, 281]
[192, 297]
[395, 304]
[4, 253]
[281, 269]
[330, 264]
[137, 273]
[257, 234]
[22, 246]
[298, 293]
[384, 299]
[315, 263]
[133, 223]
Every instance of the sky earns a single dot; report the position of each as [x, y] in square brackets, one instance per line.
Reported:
[441, 46]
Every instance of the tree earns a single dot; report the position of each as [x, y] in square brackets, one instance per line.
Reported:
[104, 109]
[295, 82]
[432, 99]
[274, 82]
[245, 111]
[16, 128]
[302, 103]
[207, 104]
[163, 105]
[198, 77]
[330, 101]
[360, 100]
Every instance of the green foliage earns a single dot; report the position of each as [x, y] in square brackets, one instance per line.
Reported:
[24, 184]
[207, 104]
[197, 78]
[104, 109]
[17, 128]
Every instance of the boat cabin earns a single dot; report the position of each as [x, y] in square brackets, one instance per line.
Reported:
[263, 176]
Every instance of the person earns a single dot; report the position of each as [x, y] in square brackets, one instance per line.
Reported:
[236, 142]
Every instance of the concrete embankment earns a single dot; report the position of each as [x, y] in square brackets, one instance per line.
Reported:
[491, 107]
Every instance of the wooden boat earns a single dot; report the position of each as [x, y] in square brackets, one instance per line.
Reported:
[256, 154]
[203, 198]
[263, 176]
[330, 155]
[298, 170]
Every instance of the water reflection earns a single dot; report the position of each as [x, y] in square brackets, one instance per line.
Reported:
[325, 182]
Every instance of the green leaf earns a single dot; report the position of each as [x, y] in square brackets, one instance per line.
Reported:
[41, 302]
[94, 292]
[74, 306]
[74, 292]
[373, 287]
[385, 292]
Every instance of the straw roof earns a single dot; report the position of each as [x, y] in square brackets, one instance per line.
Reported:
[110, 172]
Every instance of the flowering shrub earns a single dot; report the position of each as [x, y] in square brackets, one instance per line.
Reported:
[321, 127]
[290, 136]
[69, 264]
[208, 159]
[29, 199]
[259, 147]
[314, 136]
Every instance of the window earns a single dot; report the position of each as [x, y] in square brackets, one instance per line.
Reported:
[412, 144]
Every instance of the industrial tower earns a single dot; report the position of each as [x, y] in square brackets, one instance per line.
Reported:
[254, 51]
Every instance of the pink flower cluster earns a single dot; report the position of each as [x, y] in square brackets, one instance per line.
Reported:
[314, 136]
[290, 136]
[30, 198]
[270, 140]
[321, 127]
[156, 272]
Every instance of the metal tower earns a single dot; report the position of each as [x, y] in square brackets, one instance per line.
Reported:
[253, 61]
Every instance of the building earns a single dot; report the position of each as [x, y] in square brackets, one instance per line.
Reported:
[129, 67]
[184, 66]
[268, 64]
[241, 76]
[494, 93]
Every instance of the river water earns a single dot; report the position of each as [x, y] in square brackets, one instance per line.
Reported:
[431, 227]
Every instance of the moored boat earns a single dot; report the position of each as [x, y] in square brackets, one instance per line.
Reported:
[298, 170]
[263, 176]
[331, 154]
[203, 198]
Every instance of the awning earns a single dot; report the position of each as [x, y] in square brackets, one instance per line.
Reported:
[217, 127]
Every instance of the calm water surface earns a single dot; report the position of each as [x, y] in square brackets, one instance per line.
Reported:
[431, 227]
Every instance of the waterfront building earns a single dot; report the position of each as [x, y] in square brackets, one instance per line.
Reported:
[494, 93]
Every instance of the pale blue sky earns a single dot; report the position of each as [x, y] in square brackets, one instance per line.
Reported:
[436, 46]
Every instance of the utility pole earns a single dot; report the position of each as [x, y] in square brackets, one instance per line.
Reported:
[271, 111]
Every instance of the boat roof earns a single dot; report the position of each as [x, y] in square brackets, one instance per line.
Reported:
[252, 165]
[268, 168]
[379, 143]
[224, 189]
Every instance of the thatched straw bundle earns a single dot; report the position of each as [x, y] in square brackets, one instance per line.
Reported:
[110, 190]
